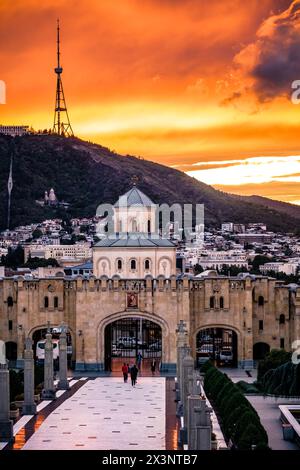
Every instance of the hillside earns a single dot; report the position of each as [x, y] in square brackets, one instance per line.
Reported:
[85, 175]
[292, 210]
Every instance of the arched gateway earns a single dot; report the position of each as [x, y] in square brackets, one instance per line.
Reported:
[125, 334]
[217, 344]
[129, 337]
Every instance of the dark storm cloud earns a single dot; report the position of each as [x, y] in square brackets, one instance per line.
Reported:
[278, 55]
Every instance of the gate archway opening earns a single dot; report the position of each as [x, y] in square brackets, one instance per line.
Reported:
[260, 350]
[38, 339]
[126, 338]
[219, 345]
[11, 351]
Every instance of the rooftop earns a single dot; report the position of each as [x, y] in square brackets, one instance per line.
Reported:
[134, 197]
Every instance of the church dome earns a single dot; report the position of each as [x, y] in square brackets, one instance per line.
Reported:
[134, 198]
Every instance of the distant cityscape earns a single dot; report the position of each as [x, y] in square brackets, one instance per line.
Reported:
[231, 249]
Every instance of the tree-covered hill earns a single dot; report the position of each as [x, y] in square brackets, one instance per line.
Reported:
[85, 175]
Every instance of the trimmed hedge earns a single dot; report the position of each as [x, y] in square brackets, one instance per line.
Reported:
[239, 420]
[282, 381]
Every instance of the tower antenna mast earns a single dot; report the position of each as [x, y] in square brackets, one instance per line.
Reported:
[62, 125]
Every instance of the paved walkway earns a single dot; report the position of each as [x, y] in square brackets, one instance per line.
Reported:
[268, 411]
[107, 414]
[239, 374]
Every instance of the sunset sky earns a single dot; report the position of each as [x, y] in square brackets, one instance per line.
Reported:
[203, 86]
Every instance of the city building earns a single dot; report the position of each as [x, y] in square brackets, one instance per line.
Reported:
[14, 130]
[250, 314]
[62, 253]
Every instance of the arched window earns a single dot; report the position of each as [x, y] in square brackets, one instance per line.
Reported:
[133, 264]
[55, 302]
[282, 319]
[212, 302]
[119, 264]
[149, 226]
[46, 302]
[10, 301]
[134, 225]
[261, 301]
[221, 302]
[147, 264]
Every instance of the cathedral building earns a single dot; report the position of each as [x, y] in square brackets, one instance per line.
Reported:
[134, 301]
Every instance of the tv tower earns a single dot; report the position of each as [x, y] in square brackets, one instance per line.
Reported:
[62, 125]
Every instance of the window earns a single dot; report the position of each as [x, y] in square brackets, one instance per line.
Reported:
[10, 325]
[119, 264]
[261, 325]
[282, 319]
[147, 264]
[221, 302]
[133, 264]
[212, 302]
[46, 302]
[55, 302]
[282, 343]
[261, 301]
[10, 301]
[134, 225]
[149, 226]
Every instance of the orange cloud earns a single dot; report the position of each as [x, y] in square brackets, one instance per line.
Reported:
[173, 81]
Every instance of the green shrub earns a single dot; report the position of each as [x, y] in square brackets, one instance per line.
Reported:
[235, 411]
[295, 387]
[274, 359]
[251, 436]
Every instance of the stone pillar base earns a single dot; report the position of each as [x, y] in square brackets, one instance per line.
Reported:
[20, 364]
[246, 364]
[89, 367]
[48, 394]
[6, 432]
[63, 385]
[29, 409]
[182, 438]
[168, 368]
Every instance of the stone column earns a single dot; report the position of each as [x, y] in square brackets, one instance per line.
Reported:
[6, 425]
[29, 407]
[182, 340]
[199, 424]
[48, 392]
[63, 383]
[187, 377]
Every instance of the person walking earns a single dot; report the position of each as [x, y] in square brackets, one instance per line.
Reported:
[125, 372]
[153, 367]
[133, 373]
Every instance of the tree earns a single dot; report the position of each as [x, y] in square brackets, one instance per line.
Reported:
[14, 257]
[274, 359]
[37, 233]
[258, 261]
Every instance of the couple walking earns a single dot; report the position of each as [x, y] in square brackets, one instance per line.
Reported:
[133, 371]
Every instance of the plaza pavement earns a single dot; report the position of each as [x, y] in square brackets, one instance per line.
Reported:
[107, 414]
[267, 409]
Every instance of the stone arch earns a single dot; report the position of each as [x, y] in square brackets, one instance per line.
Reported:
[225, 326]
[99, 267]
[164, 270]
[100, 340]
[44, 326]
[117, 263]
[11, 350]
[260, 350]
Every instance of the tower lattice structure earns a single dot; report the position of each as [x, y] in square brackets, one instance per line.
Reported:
[62, 125]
